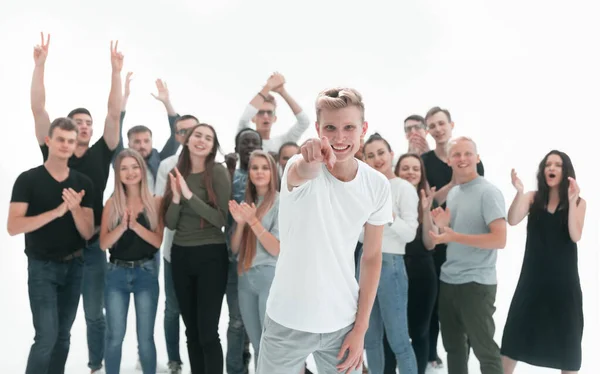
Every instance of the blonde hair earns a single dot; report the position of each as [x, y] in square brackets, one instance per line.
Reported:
[339, 98]
[119, 197]
[248, 247]
[457, 140]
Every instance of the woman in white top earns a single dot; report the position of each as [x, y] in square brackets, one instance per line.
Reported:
[255, 240]
[390, 307]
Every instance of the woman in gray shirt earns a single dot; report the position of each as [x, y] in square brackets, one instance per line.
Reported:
[255, 239]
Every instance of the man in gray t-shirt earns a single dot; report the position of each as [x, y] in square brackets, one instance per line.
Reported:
[474, 227]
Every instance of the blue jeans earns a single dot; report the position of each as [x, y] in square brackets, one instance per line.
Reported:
[54, 289]
[121, 282]
[253, 291]
[92, 291]
[390, 313]
[237, 340]
[171, 322]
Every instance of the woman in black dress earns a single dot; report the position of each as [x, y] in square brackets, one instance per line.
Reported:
[545, 321]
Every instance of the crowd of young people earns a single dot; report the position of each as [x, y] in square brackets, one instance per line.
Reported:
[331, 248]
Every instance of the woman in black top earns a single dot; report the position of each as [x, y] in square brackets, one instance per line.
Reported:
[544, 326]
[132, 230]
[420, 268]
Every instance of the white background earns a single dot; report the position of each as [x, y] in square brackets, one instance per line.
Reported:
[519, 77]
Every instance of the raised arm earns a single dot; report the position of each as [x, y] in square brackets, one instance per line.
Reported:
[112, 130]
[428, 226]
[577, 207]
[302, 120]
[258, 99]
[521, 203]
[38, 91]
[172, 144]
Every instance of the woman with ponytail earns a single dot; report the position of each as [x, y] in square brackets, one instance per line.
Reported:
[256, 241]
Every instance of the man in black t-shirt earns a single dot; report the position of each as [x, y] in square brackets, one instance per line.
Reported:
[93, 161]
[439, 175]
[52, 205]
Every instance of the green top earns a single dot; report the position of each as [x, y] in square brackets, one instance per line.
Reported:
[185, 216]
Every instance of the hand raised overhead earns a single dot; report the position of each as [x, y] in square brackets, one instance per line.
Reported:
[318, 151]
[276, 82]
[516, 182]
[116, 57]
[128, 84]
[163, 91]
[40, 51]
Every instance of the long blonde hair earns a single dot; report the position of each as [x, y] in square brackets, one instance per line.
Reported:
[248, 247]
[119, 197]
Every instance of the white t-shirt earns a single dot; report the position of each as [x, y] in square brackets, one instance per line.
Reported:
[315, 288]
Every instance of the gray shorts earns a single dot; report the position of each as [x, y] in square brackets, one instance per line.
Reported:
[284, 351]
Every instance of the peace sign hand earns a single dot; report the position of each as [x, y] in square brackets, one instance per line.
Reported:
[116, 57]
[427, 198]
[40, 52]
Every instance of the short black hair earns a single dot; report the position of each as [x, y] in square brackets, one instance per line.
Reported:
[245, 129]
[138, 129]
[78, 111]
[186, 117]
[415, 117]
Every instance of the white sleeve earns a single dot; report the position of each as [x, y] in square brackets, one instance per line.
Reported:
[246, 117]
[383, 209]
[406, 223]
[296, 131]
[161, 177]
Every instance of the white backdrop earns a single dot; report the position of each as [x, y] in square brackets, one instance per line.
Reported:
[520, 78]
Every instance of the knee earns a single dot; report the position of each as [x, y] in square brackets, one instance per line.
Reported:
[46, 339]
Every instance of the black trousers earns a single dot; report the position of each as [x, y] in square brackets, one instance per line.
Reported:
[200, 279]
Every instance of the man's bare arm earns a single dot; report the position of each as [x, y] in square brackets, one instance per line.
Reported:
[18, 223]
[38, 91]
[370, 271]
[112, 126]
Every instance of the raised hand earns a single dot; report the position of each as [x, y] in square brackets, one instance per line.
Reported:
[183, 187]
[427, 198]
[40, 51]
[444, 237]
[276, 82]
[248, 212]
[417, 143]
[318, 151]
[127, 84]
[573, 191]
[175, 188]
[116, 57]
[441, 217]
[163, 91]
[516, 182]
[236, 212]
[72, 198]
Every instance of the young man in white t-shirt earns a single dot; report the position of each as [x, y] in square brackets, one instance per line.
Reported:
[326, 198]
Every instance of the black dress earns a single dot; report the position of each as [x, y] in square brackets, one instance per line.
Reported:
[545, 321]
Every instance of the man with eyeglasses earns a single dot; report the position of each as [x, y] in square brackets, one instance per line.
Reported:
[261, 111]
[416, 134]
[140, 137]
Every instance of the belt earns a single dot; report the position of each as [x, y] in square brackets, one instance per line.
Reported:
[77, 253]
[130, 264]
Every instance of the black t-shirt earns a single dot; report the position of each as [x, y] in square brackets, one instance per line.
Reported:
[131, 247]
[438, 172]
[95, 163]
[42, 193]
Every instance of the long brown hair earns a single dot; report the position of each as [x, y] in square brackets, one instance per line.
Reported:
[184, 165]
[248, 242]
[422, 185]
[119, 197]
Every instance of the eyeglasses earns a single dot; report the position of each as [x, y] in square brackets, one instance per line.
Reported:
[267, 112]
[411, 128]
[182, 132]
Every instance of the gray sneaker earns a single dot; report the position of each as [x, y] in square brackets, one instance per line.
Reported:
[174, 367]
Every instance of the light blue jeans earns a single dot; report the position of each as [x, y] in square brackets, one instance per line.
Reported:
[121, 282]
[253, 291]
[92, 293]
[390, 313]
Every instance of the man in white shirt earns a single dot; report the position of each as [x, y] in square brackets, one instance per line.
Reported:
[326, 198]
[261, 110]
[171, 323]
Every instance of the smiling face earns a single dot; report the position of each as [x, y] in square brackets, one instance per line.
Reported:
[440, 127]
[463, 158]
[379, 157]
[130, 171]
[410, 170]
[201, 142]
[343, 128]
[553, 170]
[141, 142]
[259, 172]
